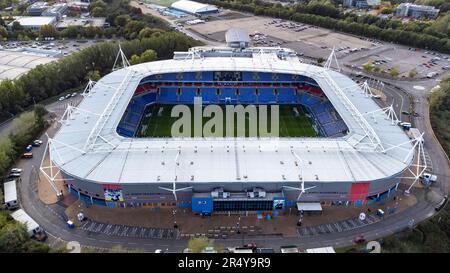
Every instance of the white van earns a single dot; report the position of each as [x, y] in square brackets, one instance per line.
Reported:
[10, 191]
[33, 229]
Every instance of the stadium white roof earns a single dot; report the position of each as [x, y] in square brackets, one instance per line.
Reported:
[193, 7]
[88, 147]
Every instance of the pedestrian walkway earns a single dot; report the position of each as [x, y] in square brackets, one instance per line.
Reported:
[340, 226]
[130, 231]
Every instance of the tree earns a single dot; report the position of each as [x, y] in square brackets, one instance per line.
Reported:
[149, 32]
[3, 33]
[320, 60]
[412, 73]
[196, 245]
[71, 31]
[48, 31]
[394, 72]
[98, 12]
[39, 114]
[377, 69]
[368, 66]
[93, 75]
[135, 59]
[148, 56]
[122, 20]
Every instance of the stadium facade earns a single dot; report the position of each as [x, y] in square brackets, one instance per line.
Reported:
[355, 160]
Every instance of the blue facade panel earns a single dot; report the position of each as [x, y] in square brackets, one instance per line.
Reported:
[202, 204]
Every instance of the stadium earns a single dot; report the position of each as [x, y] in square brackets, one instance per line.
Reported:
[336, 145]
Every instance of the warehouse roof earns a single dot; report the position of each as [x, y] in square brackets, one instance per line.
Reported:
[31, 21]
[193, 7]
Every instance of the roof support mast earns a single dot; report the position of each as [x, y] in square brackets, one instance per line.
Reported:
[330, 60]
[101, 121]
[174, 186]
[302, 188]
[123, 59]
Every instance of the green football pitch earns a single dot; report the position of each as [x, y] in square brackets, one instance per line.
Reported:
[293, 122]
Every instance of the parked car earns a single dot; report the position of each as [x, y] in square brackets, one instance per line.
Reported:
[27, 155]
[441, 204]
[430, 177]
[29, 148]
[14, 175]
[359, 240]
[62, 98]
[16, 170]
[250, 246]
[37, 143]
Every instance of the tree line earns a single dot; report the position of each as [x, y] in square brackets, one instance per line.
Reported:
[326, 15]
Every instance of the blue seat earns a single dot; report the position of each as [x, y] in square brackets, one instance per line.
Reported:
[228, 92]
[247, 95]
[209, 95]
[266, 95]
[187, 94]
[168, 95]
[286, 95]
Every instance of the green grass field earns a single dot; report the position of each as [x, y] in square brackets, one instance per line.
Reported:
[154, 125]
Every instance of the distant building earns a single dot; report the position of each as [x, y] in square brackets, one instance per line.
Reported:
[194, 7]
[34, 22]
[361, 4]
[82, 22]
[78, 4]
[237, 38]
[36, 9]
[416, 11]
[57, 10]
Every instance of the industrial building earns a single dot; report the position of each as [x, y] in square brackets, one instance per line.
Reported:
[195, 8]
[416, 11]
[361, 4]
[57, 10]
[37, 8]
[34, 22]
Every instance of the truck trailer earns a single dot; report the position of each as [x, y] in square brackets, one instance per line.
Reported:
[33, 228]
[10, 191]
